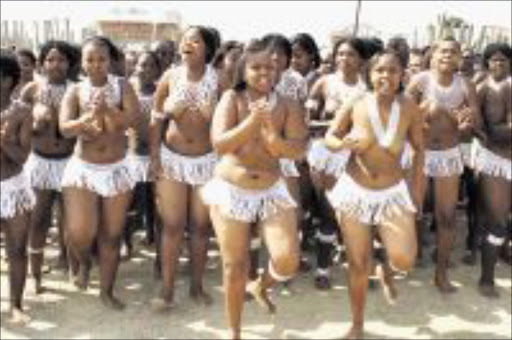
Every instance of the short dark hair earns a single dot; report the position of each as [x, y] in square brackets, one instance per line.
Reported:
[113, 51]
[356, 43]
[153, 56]
[223, 50]
[371, 46]
[210, 42]
[9, 67]
[449, 38]
[217, 36]
[494, 48]
[308, 44]
[400, 45]
[375, 58]
[28, 54]
[253, 47]
[278, 41]
[64, 48]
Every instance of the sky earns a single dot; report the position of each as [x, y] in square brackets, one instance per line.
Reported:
[242, 20]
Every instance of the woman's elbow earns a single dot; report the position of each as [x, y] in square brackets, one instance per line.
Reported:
[65, 130]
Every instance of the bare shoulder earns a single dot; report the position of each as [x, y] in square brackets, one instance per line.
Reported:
[409, 107]
[29, 91]
[229, 96]
[482, 86]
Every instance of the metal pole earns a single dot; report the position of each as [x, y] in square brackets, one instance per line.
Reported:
[358, 12]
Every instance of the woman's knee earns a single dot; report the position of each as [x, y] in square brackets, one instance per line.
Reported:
[446, 217]
[402, 259]
[359, 264]
[17, 250]
[173, 228]
[284, 265]
[234, 269]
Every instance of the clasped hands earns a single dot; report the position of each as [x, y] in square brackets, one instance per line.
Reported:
[262, 111]
[93, 121]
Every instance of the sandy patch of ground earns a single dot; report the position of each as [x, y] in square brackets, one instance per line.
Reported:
[421, 312]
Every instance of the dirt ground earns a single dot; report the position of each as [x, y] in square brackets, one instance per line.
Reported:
[421, 312]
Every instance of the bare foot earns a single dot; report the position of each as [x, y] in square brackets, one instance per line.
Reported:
[388, 284]
[201, 297]
[488, 290]
[260, 295]
[444, 285]
[80, 282]
[355, 332]
[111, 302]
[18, 317]
[45, 269]
[161, 305]
[39, 288]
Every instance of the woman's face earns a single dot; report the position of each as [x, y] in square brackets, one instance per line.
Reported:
[280, 60]
[27, 68]
[386, 75]
[95, 60]
[56, 65]
[260, 72]
[447, 56]
[192, 46]
[301, 60]
[499, 66]
[146, 69]
[231, 58]
[347, 59]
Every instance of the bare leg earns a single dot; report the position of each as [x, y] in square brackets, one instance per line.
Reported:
[59, 206]
[279, 232]
[232, 236]
[81, 216]
[398, 236]
[357, 239]
[16, 236]
[496, 202]
[176, 195]
[109, 236]
[199, 232]
[40, 223]
[446, 195]
[254, 252]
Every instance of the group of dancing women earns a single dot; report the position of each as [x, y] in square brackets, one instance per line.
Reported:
[268, 142]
